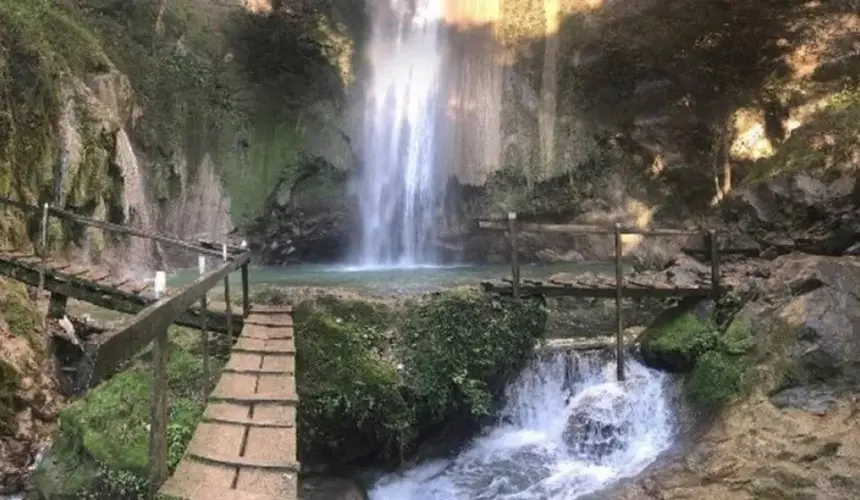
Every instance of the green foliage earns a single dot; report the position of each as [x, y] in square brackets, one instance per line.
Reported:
[456, 346]
[9, 383]
[102, 442]
[372, 377]
[350, 400]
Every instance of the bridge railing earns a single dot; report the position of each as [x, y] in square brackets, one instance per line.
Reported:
[512, 227]
[110, 350]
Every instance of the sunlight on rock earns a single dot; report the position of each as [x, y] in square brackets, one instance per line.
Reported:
[260, 6]
[751, 140]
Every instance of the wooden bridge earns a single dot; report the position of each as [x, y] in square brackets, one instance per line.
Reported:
[653, 284]
[245, 446]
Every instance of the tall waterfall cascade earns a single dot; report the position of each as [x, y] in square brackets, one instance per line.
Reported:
[399, 185]
[568, 429]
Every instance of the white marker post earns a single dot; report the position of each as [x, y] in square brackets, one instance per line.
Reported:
[160, 284]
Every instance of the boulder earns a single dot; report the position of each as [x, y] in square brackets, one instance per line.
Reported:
[596, 427]
[671, 342]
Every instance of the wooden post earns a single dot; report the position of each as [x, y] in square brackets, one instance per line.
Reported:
[515, 265]
[43, 248]
[57, 305]
[246, 287]
[229, 308]
[159, 412]
[714, 245]
[204, 335]
[619, 323]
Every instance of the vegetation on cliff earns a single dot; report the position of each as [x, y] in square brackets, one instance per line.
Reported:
[373, 377]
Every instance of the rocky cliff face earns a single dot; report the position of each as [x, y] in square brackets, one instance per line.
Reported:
[83, 133]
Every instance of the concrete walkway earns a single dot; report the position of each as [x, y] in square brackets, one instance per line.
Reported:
[245, 446]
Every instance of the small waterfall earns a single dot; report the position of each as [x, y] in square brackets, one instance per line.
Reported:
[568, 429]
[398, 186]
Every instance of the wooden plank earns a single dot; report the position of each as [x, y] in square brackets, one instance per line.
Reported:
[115, 228]
[605, 292]
[117, 346]
[493, 225]
[249, 422]
[240, 461]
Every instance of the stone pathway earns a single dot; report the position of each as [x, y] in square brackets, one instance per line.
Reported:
[245, 446]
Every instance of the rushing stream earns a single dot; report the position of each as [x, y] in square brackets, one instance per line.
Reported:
[568, 429]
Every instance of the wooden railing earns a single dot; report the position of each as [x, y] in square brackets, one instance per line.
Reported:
[512, 227]
[110, 350]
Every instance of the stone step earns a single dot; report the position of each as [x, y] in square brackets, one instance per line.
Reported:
[259, 371]
[249, 422]
[282, 398]
[264, 346]
[240, 461]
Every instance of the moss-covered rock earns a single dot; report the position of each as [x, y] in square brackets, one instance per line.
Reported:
[678, 336]
[372, 377]
[687, 339]
[101, 447]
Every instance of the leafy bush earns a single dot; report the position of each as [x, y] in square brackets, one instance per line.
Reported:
[372, 377]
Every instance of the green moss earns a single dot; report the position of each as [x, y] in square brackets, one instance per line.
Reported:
[9, 383]
[454, 352]
[685, 336]
[102, 441]
[717, 378]
[21, 315]
[718, 362]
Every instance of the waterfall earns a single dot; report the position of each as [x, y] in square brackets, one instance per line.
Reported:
[399, 187]
[568, 429]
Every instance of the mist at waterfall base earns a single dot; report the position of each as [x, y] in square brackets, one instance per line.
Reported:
[398, 188]
[568, 429]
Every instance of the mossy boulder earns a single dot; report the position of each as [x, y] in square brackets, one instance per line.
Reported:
[688, 339]
[373, 378]
[100, 450]
[675, 339]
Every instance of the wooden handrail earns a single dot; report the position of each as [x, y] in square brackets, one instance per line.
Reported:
[110, 349]
[116, 228]
[494, 225]
[120, 344]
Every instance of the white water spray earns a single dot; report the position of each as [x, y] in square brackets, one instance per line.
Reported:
[568, 429]
[398, 191]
